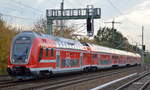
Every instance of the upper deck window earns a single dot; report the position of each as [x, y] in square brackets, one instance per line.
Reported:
[85, 44]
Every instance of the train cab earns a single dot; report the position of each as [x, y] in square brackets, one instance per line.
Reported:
[20, 54]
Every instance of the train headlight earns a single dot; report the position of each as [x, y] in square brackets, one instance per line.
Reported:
[13, 60]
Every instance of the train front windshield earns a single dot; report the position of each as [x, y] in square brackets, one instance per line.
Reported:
[21, 49]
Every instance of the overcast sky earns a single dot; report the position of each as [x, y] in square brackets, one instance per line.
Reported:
[131, 13]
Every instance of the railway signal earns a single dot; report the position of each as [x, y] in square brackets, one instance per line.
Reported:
[143, 47]
[89, 25]
[90, 13]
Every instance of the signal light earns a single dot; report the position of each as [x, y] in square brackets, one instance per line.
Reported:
[89, 25]
[143, 47]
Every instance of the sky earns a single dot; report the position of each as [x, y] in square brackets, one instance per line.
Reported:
[133, 14]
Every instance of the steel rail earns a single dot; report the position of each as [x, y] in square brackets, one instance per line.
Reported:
[38, 83]
[145, 85]
[132, 81]
[72, 81]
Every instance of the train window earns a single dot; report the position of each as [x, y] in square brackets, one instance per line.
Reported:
[114, 57]
[59, 44]
[70, 62]
[72, 46]
[52, 52]
[128, 58]
[64, 45]
[104, 61]
[75, 46]
[46, 52]
[68, 46]
[40, 54]
[85, 44]
[94, 55]
[78, 47]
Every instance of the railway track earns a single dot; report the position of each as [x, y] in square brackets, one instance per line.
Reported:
[86, 79]
[5, 78]
[59, 82]
[139, 83]
[64, 83]
[146, 86]
[3, 75]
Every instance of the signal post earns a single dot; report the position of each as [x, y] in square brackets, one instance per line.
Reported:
[90, 13]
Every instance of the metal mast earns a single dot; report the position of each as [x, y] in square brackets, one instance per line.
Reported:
[142, 45]
[113, 25]
[61, 22]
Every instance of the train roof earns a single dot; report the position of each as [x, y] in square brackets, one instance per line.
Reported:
[74, 44]
[98, 48]
[104, 49]
[60, 41]
[46, 36]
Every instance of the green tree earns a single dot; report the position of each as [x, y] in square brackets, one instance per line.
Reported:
[147, 57]
[87, 40]
[6, 35]
[105, 37]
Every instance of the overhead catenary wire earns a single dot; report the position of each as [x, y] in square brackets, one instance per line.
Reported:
[27, 6]
[18, 17]
[17, 8]
[13, 16]
[116, 8]
[81, 30]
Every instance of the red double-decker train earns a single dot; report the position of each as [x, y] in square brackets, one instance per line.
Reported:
[36, 55]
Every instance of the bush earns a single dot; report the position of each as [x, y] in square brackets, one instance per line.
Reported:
[6, 35]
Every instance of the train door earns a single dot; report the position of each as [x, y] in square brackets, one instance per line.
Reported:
[99, 60]
[81, 60]
[57, 59]
[115, 60]
[119, 60]
[87, 59]
[94, 59]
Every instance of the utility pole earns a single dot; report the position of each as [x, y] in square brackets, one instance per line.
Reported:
[142, 45]
[113, 25]
[136, 48]
[61, 22]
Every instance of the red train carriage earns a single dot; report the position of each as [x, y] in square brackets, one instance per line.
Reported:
[35, 55]
[101, 56]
